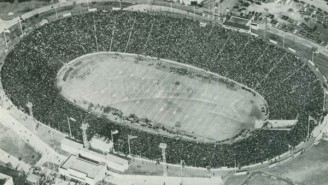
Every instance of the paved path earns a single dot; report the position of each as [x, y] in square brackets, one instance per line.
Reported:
[30, 138]
[159, 180]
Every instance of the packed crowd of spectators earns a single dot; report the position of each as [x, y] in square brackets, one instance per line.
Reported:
[289, 86]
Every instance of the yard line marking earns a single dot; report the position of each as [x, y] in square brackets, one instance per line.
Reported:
[172, 97]
[226, 116]
[166, 80]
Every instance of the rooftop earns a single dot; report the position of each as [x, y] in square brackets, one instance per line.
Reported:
[237, 22]
[33, 178]
[87, 167]
[4, 178]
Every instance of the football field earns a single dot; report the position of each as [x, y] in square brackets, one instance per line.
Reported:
[161, 91]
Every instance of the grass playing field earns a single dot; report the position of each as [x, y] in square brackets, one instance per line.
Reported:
[151, 88]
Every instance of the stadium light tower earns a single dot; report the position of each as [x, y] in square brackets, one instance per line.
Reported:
[194, 12]
[29, 105]
[69, 125]
[182, 163]
[314, 51]
[20, 24]
[111, 134]
[171, 6]
[266, 22]
[88, 4]
[56, 10]
[84, 128]
[4, 34]
[163, 146]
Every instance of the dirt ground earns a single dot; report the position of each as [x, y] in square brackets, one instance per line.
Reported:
[310, 168]
[49, 136]
[260, 179]
[278, 9]
[12, 144]
[18, 8]
[195, 105]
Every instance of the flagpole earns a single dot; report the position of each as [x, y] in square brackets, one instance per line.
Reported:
[112, 133]
[194, 12]
[171, 7]
[181, 173]
[56, 11]
[69, 127]
[129, 145]
[20, 23]
[308, 129]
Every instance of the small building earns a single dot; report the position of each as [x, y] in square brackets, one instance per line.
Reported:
[112, 161]
[237, 23]
[43, 22]
[279, 124]
[6, 180]
[189, 2]
[83, 170]
[33, 179]
[101, 144]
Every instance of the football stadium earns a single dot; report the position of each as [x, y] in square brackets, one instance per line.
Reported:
[216, 97]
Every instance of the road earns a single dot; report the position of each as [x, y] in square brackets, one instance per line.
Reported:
[160, 180]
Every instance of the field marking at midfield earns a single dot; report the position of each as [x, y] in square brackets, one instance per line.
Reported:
[177, 104]
[173, 91]
[142, 106]
[233, 107]
[169, 100]
[166, 79]
[202, 115]
[150, 86]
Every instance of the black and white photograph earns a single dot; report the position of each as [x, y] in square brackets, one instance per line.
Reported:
[163, 92]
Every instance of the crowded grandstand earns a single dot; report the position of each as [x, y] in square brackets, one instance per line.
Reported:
[290, 88]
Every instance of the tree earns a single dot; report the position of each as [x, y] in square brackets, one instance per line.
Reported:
[9, 165]
[107, 109]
